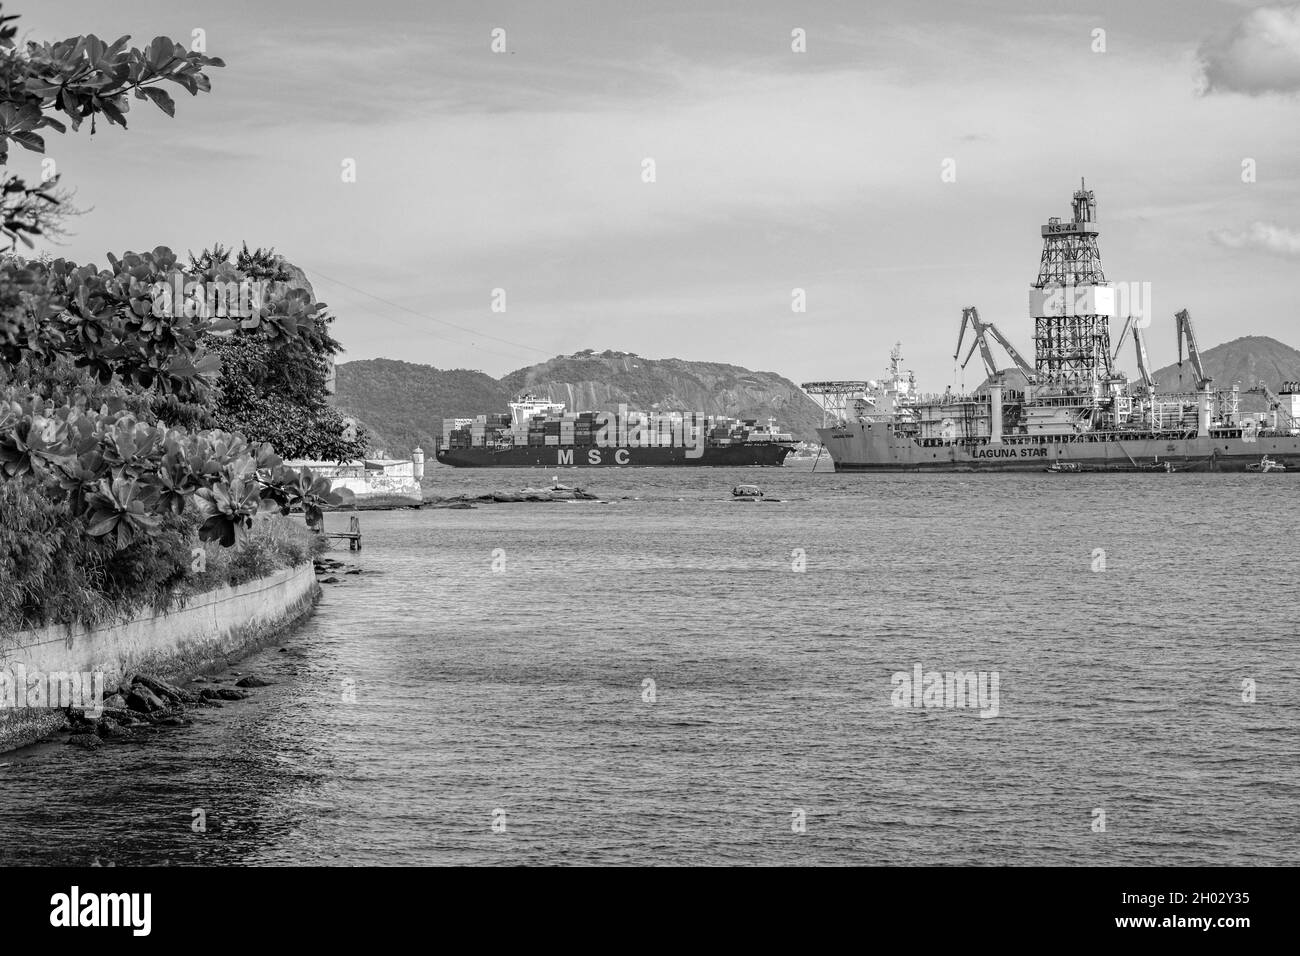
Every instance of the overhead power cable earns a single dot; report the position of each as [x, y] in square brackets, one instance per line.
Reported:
[423, 315]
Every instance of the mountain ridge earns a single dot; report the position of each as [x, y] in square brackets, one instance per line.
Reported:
[402, 404]
[1248, 359]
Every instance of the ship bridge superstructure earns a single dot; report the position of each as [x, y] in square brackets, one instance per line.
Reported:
[873, 399]
[526, 406]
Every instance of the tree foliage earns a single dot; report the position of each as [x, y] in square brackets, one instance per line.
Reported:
[275, 391]
[96, 381]
[78, 78]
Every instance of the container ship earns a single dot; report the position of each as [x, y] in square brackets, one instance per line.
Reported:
[1071, 410]
[540, 434]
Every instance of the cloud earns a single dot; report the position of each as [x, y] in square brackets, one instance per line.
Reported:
[1261, 54]
[1264, 236]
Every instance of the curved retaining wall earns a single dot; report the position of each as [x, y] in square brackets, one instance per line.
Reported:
[210, 630]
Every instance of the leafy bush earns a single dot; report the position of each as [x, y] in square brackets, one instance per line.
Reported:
[118, 461]
[106, 486]
[273, 543]
[52, 572]
[272, 390]
[46, 574]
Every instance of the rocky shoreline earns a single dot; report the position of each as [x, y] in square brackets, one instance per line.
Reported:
[430, 500]
[142, 704]
[328, 570]
[206, 636]
[510, 497]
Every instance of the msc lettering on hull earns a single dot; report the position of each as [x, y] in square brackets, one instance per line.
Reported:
[1009, 453]
[595, 456]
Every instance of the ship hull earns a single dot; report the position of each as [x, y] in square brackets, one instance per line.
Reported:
[765, 454]
[872, 447]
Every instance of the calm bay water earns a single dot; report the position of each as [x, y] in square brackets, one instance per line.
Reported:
[523, 690]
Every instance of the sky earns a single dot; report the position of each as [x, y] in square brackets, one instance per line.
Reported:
[896, 170]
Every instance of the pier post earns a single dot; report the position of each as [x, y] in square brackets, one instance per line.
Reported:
[354, 529]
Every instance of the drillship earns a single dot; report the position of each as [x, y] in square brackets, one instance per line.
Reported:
[539, 434]
[1072, 410]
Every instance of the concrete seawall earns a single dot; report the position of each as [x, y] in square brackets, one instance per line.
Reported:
[211, 629]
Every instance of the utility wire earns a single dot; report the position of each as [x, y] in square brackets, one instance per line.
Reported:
[354, 302]
[422, 315]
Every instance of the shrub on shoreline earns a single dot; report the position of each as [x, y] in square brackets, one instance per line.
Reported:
[52, 572]
[115, 486]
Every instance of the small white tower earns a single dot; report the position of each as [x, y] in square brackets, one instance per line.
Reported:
[417, 463]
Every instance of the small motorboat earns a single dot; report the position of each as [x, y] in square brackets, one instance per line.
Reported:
[1064, 467]
[1265, 466]
[751, 493]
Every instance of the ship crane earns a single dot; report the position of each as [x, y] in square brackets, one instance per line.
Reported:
[834, 398]
[1184, 321]
[970, 318]
[1140, 346]
[1275, 403]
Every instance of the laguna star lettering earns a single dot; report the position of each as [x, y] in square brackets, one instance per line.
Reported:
[1035, 452]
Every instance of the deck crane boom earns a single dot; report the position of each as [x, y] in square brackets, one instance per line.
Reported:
[1140, 346]
[981, 330]
[1275, 403]
[1119, 342]
[1184, 321]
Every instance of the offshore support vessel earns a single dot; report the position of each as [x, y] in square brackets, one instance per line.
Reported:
[540, 434]
[1072, 410]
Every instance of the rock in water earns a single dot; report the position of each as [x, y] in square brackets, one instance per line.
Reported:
[252, 681]
[144, 700]
[86, 741]
[110, 729]
[160, 687]
[224, 693]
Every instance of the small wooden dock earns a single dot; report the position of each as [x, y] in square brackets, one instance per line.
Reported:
[353, 534]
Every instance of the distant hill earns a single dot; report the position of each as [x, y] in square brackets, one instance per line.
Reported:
[1248, 360]
[601, 381]
[402, 404]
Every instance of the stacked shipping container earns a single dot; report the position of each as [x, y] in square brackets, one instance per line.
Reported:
[566, 429]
